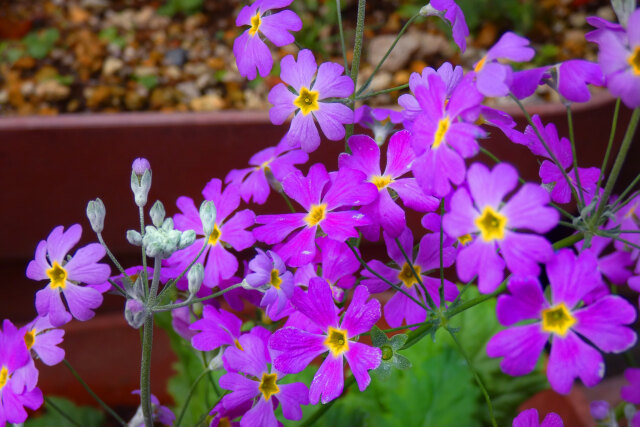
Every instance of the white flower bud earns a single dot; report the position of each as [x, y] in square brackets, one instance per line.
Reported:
[216, 363]
[208, 216]
[186, 239]
[134, 237]
[157, 213]
[140, 180]
[96, 213]
[195, 276]
[429, 10]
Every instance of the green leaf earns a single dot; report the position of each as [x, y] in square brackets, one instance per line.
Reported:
[40, 44]
[86, 416]
[149, 82]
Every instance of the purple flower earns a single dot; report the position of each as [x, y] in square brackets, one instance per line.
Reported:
[216, 328]
[631, 392]
[384, 211]
[441, 139]
[481, 214]
[269, 270]
[181, 320]
[249, 49]
[524, 83]
[381, 121]
[161, 414]
[228, 230]
[277, 161]
[619, 58]
[14, 393]
[494, 78]
[41, 338]
[50, 263]
[345, 189]
[614, 265]
[411, 107]
[550, 174]
[455, 16]
[298, 347]
[308, 101]
[575, 75]
[400, 307]
[564, 321]
[259, 385]
[530, 418]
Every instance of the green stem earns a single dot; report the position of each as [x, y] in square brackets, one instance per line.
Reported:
[380, 92]
[342, 43]
[144, 254]
[324, 408]
[568, 241]
[627, 190]
[91, 392]
[575, 157]
[477, 377]
[441, 293]
[386, 55]
[147, 345]
[355, 63]
[59, 410]
[478, 300]
[189, 395]
[118, 287]
[620, 239]
[626, 202]
[617, 165]
[110, 254]
[612, 135]
[170, 307]
[288, 202]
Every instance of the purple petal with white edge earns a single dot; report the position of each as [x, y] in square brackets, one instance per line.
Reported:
[317, 303]
[328, 382]
[631, 393]
[276, 27]
[331, 83]
[49, 302]
[37, 268]
[298, 348]
[571, 358]
[261, 414]
[520, 346]
[332, 116]
[291, 397]
[399, 154]
[365, 156]
[522, 252]
[481, 258]
[234, 230]
[250, 360]
[494, 79]
[277, 227]
[489, 187]
[242, 389]
[361, 359]
[251, 53]
[460, 219]
[528, 209]
[360, 315]
[412, 195]
[572, 277]
[298, 73]
[84, 268]
[511, 46]
[341, 225]
[525, 302]
[303, 131]
[82, 300]
[573, 77]
[300, 249]
[610, 336]
[282, 100]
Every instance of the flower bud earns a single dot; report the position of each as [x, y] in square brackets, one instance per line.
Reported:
[186, 239]
[96, 213]
[157, 214]
[216, 363]
[599, 409]
[141, 180]
[134, 237]
[208, 216]
[195, 276]
[134, 313]
[429, 10]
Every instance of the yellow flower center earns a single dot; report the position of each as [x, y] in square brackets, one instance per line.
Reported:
[57, 275]
[30, 338]
[275, 279]
[406, 275]
[268, 386]
[441, 132]
[215, 236]
[634, 61]
[631, 212]
[337, 341]
[4, 376]
[491, 224]
[255, 24]
[237, 344]
[307, 101]
[557, 319]
[464, 239]
[381, 181]
[480, 64]
[316, 214]
[224, 422]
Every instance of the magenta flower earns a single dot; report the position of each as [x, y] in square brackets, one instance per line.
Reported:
[427, 261]
[550, 174]
[455, 16]
[269, 270]
[564, 321]
[525, 82]
[479, 213]
[346, 189]
[228, 231]
[612, 265]
[441, 139]
[64, 276]
[250, 380]
[42, 339]
[619, 58]
[249, 49]
[631, 392]
[306, 97]
[493, 78]
[384, 211]
[14, 394]
[530, 418]
[254, 181]
[216, 328]
[298, 347]
[381, 121]
[575, 75]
